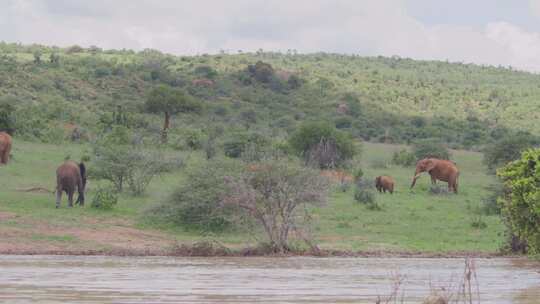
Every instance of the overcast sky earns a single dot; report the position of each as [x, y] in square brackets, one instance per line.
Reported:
[497, 32]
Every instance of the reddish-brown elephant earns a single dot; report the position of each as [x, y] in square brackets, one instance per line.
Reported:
[438, 169]
[384, 183]
[69, 176]
[5, 147]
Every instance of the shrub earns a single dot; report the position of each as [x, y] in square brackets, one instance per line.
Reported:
[322, 145]
[521, 201]
[237, 143]
[7, 117]
[366, 196]
[278, 196]
[131, 165]
[195, 204]
[262, 72]
[403, 158]
[379, 164]
[490, 203]
[105, 198]
[205, 71]
[358, 173]
[506, 150]
[430, 148]
[194, 139]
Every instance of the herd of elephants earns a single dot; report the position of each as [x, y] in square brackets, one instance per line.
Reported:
[71, 176]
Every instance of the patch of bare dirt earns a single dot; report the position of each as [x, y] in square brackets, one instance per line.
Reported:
[105, 237]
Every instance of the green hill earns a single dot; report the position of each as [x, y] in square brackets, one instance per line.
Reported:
[375, 98]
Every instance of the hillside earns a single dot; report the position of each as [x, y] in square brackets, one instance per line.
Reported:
[377, 99]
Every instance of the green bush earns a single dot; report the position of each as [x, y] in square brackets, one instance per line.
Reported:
[105, 198]
[506, 150]
[321, 144]
[521, 202]
[196, 203]
[403, 158]
[430, 148]
[129, 165]
[366, 196]
[239, 142]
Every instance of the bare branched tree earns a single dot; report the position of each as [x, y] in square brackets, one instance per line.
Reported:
[277, 195]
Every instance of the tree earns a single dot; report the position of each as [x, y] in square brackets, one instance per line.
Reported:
[430, 148]
[521, 202]
[169, 101]
[277, 195]
[322, 145]
[507, 149]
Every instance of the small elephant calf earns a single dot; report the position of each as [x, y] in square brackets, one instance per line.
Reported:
[384, 183]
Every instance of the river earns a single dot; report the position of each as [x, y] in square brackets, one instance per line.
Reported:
[103, 279]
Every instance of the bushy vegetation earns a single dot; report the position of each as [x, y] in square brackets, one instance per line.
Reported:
[131, 165]
[322, 145]
[105, 198]
[196, 203]
[376, 99]
[521, 202]
[403, 158]
[507, 149]
[278, 196]
[430, 148]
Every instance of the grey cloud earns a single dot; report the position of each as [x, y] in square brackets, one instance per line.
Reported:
[366, 27]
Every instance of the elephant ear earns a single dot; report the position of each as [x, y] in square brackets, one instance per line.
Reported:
[430, 165]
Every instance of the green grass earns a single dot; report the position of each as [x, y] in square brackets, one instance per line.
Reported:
[410, 220]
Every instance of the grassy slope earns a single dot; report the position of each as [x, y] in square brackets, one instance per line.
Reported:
[413, 221]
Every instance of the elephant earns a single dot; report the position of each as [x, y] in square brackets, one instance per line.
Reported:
[384, 183]
[69, 176]
[438, 169]
[5, 147]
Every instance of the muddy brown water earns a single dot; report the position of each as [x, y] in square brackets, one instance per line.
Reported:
[93, 279]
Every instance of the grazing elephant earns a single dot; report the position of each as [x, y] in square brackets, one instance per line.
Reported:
[5, 147]
[438, 169]
[384, 183]
[69, 176]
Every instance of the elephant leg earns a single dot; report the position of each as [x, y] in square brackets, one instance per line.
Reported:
[70, 198]
[58, 197]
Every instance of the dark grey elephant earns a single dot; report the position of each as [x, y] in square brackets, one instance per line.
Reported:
[69, 176]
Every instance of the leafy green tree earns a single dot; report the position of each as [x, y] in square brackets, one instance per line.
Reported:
[507, 149]
[430, 148]
[169, 101]
[521, 202]
[7, 117]
[321, 144]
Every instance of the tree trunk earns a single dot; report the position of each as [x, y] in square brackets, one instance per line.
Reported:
[165, 128]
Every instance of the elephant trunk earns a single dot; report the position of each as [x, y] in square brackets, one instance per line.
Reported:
[416, 176]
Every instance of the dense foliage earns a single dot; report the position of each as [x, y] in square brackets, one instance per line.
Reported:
[430, 148]
[54, 90]
[322, 145]
[105, 198]
[521, 203]
[507, 149]
[196, 203]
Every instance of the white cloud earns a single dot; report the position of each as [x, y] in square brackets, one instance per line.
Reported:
[366, 27]
[535, 7]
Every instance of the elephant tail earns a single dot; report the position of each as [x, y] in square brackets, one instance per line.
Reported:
[82, 169]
